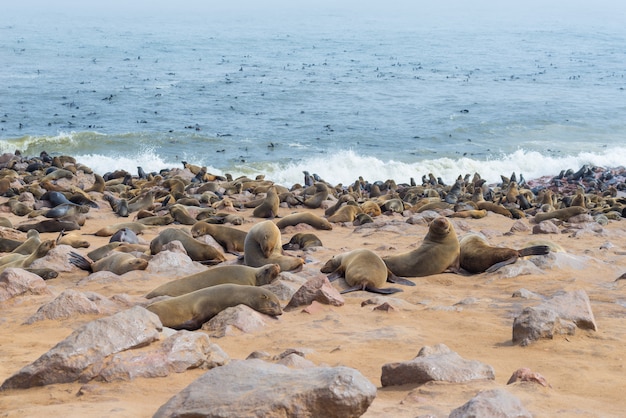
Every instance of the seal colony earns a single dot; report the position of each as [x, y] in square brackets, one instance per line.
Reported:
[397, 223]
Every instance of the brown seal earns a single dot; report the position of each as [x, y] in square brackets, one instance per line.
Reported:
[269, 207]
[50, 225]
[477, 255]
[562, 214]
[196, 250]
[234, 274]
[191, 310]
[346, 213]
[116, 262]
[263, 246]
[308, 218]
[22, 260]
[439, 251]
[469, 213]
[321, 194]
[495, 208]
[371, 208]
[136, 227]
[181, 215]
[303, 241]
[230, 238]
[73, 240]
[362, 269]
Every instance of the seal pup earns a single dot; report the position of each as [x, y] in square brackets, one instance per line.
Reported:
[232, 239]
[439, 251]
[303, 241]
[263, 246]
[22, 260]
[234, 274]
[196, 250]
[191, 310]
[363, 270]
[477, 255]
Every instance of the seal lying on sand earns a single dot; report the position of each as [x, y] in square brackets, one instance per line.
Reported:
[438, 252]
[234, 274]
[191, 310]
[477, 255]
[363, 270]
[116, 262]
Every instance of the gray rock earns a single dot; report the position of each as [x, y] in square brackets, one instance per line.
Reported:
[296, 361]
[87, 345]
[257, 388]
[16, 282]
[495, 403]
[286, 285]
[67, 304]
[179, 352]
[526, 294]
[316, 289]
[546, 227]
[240, 317]
[58, 259]
[560, 314]
[519, 268]
[519, 226]
[437, 363]
[167, 261]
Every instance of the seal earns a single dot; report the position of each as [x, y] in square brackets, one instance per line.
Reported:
[495, 208]
[22, 260]
[362, 269]
[234, 274]
[477, 255]
[116, 262]
[308, 218]
[469, 213]
[439, 251]
[191, 310]
[136, 227]
[196, 250]
[50, 225]
[371, 208]
[303, 241]
[73, 240]
[345, 213]
[263, 246]
[269, 207]
[181, 215]
[562, 214]
[232, 239]
[315, 201]
[125, 235]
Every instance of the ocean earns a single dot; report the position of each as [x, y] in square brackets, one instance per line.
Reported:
[336, 94]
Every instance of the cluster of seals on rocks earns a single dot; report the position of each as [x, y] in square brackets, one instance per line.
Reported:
[190, 310]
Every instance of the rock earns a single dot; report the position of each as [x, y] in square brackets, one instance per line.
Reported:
[285, 286]
[318, 289]
[258, 388]
[519, 226]
[240, 317]
[58, 259]
[492, 403]
[526, 294]
[17, 282]
[436, 363]
[167, 261]
[179, 352]
[558, 315]
[68, 304]
[87, 345]
[296, 361]
[546, 227]
[519, 268]
[526, 375]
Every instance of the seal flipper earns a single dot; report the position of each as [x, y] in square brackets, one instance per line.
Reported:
[501, 264]
[335, 275]
[392, 278]
[534, 250]
[190, 325]
[80, 261]
[382, 291]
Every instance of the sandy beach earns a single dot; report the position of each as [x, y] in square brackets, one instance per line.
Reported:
[471, 314]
